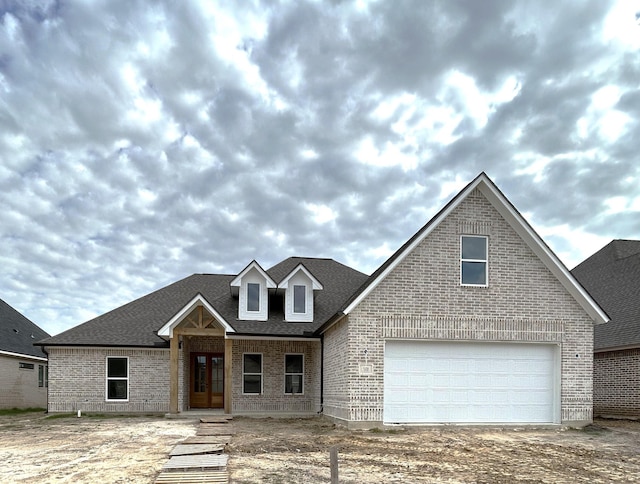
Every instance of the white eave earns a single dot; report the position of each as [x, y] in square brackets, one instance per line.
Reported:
[522, 228]
[23, 356]
[237, 281]
[167, 329]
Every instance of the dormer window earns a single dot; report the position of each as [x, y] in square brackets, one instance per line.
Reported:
[252, 288]
[298, 287]
[253, 297]
[299, 299]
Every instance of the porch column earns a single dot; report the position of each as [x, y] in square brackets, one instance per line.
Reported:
[173, 373]
[228, 366]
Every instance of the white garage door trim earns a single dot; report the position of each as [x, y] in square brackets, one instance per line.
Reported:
[471, 382]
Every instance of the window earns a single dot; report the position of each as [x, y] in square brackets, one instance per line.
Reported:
[117, 378]
[473, 261]
[43, 376]
[26, 366]
[252, 373]
[293, 373]
[299, 299]
[253, 296]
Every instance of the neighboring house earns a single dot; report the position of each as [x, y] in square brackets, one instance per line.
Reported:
[473, 320]
[612, 277]
[23, 366]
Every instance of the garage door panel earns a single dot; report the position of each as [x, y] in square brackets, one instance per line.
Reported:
[469, 382]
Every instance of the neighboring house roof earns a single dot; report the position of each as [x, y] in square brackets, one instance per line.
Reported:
[137, 323]
[18, 334]
[497, 199]
[612, 277]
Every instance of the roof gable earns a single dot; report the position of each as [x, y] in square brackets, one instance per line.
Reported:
[198, 300]
[497, 199]
[237, 281]
[315, 284]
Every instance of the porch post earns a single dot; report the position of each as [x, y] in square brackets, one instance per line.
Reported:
[228, 366]
[173, 373]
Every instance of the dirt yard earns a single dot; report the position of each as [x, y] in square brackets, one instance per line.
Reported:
[36, 449]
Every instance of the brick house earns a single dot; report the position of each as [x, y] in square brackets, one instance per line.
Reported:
[23, 366]
[472, 320]
[612, 277]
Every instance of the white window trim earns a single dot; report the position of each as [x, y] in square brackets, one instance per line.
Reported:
[257, 311]
[306, 305]
[286, 374]
[485, 260]
[261, 373]
[107, 378]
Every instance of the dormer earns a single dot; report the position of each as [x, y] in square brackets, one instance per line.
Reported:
[298, 296]
[252, 288]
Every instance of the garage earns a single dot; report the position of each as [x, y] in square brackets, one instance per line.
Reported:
[470, 382]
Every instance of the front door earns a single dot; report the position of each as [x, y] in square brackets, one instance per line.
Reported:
[207, 380]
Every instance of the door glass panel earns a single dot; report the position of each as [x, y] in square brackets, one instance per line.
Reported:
[200, 374]
[217, 374]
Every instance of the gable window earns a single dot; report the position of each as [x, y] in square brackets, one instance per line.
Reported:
[253, 296]
[43, 376]
[293, 373]
[117, 378]
[299, 299]
[252, 373]
[473, 260]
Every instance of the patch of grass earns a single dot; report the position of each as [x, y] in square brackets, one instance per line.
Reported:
[20, 411]
[54, 416]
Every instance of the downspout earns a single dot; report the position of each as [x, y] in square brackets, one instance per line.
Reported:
[46, 375]
[321, 374]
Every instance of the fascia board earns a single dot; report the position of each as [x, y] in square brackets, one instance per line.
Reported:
[236, 282]
[315, 283]
[544, 253]
[431, 225]
[167, 329]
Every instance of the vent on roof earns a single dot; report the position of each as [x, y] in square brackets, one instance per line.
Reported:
[15, 330]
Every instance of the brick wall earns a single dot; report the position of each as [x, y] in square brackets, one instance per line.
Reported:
[523, 302]
[18, 386]
[273, 399]
[336, 374]
[77, 380]
[616, 382]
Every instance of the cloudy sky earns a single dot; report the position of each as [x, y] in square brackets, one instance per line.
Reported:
[141, 142]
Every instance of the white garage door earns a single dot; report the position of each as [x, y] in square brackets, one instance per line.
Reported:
[446, 382]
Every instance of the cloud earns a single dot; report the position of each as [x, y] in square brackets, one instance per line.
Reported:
[142, 142]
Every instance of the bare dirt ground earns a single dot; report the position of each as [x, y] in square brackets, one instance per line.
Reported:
[36, 449]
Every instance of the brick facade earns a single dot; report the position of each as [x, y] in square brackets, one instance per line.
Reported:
[616, 383]
[78, 377]
[19, 387]
[422, 298]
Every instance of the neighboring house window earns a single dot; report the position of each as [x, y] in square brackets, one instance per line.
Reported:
[43, 376]
[293, 373]
[26, 366]
[117, 378]
[299, 299]
[253, 296]
[473, 260]
[252, 373]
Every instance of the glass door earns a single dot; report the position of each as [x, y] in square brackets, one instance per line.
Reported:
[206, 387]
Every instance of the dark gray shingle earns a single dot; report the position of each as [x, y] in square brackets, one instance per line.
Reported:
[18, 334]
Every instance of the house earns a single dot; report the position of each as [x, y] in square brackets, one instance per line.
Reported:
[472, 320]
[23, 366]
[612, 277]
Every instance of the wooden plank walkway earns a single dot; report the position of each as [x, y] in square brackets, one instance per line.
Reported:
[192, 477]
[193, 449]
[204, 461]
[199, 459]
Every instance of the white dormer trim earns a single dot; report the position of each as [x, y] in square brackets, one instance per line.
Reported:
[167, 329]
[497, 199]
[299, 276]
[253, 274]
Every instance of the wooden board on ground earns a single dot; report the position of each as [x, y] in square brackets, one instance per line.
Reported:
[221, 430]
[193, 477]
[194, 449]
[218, 420]
[207, 439]
[206, 461]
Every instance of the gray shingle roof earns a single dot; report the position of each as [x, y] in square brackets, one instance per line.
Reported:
[18, 334]
[612, 277]
[137, 323]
